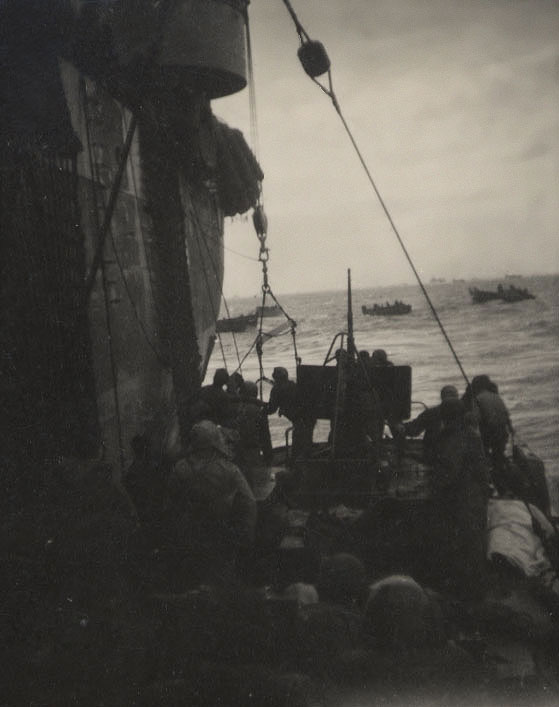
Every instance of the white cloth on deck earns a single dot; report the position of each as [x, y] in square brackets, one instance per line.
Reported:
[511, 534]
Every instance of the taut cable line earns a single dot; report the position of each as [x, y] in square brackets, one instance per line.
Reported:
[315, 62]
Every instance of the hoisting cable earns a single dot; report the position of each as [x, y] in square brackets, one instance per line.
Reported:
[315, 62]
[261, 227]
[260, 222]
[259, 219]
[251, 91]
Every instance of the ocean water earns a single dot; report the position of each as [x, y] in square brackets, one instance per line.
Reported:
[516, 344]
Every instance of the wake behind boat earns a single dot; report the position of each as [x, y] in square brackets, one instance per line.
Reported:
[387, 310]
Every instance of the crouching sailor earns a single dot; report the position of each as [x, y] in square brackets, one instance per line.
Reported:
[494, 421]
[429, 423]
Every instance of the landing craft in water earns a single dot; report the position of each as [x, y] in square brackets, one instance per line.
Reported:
[236, 324]
[396, 308]
[504, 294]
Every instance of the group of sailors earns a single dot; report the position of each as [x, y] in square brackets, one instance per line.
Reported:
[397, 304]
[350, 620]
[480, 408]
[225, 468]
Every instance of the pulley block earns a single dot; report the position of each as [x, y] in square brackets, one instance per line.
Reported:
[260, 220]
[314, 58]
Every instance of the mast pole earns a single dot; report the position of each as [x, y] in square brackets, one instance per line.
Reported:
[350, 340]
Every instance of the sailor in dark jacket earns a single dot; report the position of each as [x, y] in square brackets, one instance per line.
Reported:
[380, 358]
[217, 399]
[213, 507]
[255, 445]
[285, 399]
[494, 421]
[462, 486]
[429, 422]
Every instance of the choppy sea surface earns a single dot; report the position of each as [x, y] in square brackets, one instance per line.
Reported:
[516, 344]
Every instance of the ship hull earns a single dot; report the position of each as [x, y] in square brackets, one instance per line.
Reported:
[115, 181]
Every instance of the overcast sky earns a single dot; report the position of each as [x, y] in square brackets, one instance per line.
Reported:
[454, 105]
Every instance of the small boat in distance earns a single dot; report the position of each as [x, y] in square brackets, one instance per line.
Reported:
[236, 324]
[509, 294]
[482, 296]
[383, 310]
[272, 310]
[514, 294]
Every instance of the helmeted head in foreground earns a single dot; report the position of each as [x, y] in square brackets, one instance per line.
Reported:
[342, 579]
[302, 593]
[206, 436]
[399, 614]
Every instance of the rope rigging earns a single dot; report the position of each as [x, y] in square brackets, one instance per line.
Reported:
[315, 62]
[261, 227]
[260, 223]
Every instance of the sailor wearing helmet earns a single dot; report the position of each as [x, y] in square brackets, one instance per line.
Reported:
[215, 507]
[285, 399]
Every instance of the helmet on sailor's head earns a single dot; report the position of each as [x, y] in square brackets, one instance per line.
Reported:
[280, 374]
[249, 390]
[302, 593]
[236, 380]
[206, 435]
[452, 410]
[482, 383]
[448, 391]
[221, 377]
[399, 613]
[379, 356]
[342, 579]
